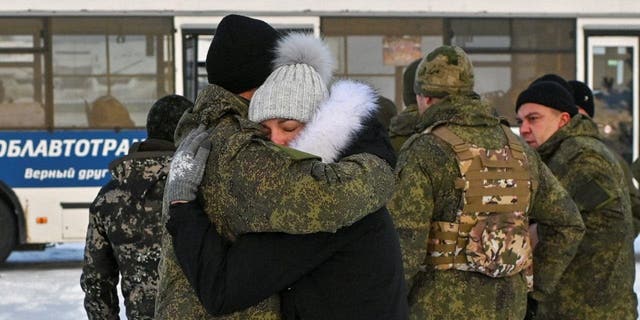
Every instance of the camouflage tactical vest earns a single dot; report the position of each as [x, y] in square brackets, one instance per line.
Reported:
[491, 231]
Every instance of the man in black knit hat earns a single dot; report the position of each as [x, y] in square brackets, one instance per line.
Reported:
[598, 284]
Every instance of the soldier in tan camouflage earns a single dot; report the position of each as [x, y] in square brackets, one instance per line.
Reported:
[441, 213]
[598, 284]
[403, 125]
[253, 185]
[124, 233]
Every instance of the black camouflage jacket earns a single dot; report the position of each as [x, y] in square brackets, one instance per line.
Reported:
[124, 234]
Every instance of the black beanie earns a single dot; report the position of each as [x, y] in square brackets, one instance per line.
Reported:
[583, 96]
[241, 53]
[549, 94]
[164, 115]
[557, 79]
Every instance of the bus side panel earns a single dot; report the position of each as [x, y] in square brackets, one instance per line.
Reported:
[56, 175]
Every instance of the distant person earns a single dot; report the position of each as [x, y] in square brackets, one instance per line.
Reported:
[108, 112]
[386, 111]
[124, 233]
[403, 125]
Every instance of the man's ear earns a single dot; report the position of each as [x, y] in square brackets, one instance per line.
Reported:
[565, 117]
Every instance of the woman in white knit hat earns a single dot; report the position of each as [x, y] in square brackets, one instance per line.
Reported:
[355, 273]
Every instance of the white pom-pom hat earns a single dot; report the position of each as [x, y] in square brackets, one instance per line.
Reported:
[302, 70]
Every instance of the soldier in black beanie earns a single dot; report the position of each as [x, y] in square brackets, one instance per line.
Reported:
[572, 148]
[246, 174]
[542, 109]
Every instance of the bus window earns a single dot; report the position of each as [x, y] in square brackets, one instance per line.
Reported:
[132, 63]
[21, 74]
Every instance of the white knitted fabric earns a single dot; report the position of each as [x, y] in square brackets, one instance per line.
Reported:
[297, 86]
[290, 92]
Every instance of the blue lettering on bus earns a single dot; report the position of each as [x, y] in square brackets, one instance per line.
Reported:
[70, 158]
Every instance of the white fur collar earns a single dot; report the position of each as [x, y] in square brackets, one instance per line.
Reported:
[337, 120]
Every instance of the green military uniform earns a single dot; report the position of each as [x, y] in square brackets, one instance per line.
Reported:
[634, 194]
[124, 234]
[252, 185]
[598, 284]
[427, 192]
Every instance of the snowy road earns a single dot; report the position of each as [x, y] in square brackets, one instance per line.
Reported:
[45, 284]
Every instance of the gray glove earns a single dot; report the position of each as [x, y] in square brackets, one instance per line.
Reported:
[187, 166]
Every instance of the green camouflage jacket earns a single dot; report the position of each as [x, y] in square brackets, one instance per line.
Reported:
[598, 284]
[403, 126]
[252, 185]
[634, 193]
[124, 234]
[425, 192]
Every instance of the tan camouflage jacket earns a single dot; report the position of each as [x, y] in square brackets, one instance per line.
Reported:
[124, 234]
[425, 192]
[251, 185]
[403, 126]
[598, 284]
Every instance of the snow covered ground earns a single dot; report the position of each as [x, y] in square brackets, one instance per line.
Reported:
[46, 284]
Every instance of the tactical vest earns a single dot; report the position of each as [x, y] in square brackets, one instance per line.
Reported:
[491, 232]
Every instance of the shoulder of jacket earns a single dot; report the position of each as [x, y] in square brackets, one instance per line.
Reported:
[291, 153]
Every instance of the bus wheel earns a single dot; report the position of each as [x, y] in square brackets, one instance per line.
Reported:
[7, 231]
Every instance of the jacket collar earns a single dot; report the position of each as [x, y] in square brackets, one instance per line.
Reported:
[464, 110]
[214, 102]
[579, 126]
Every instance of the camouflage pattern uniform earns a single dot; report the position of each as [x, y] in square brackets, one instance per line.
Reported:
[252, 185]
[634, 194]
[427, 170]
[124, 234]
[598, 284]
